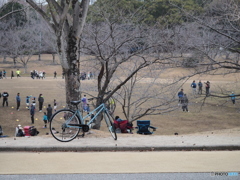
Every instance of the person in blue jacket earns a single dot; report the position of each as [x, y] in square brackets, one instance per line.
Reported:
[194, 86]
[180, 95]
[233, 97]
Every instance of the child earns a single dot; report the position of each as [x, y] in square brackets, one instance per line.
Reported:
[27, 101]
[54, 105]
[34, 101]
[45, 119]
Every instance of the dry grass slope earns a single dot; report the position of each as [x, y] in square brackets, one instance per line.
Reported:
[215, 115]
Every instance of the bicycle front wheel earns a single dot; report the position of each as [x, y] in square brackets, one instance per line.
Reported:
[109, 121]
[64, 125]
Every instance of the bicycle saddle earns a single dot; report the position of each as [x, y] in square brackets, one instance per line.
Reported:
[75, 102]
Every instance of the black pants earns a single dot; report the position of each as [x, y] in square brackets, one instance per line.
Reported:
[40, 106]
[184, 107]
[32, 118]
[5, 100]
[18, 105]
[207, 91]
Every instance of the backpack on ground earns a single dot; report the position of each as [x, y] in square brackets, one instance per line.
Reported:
[33, 131]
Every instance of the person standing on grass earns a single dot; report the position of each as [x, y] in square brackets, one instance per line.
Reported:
[184, 103]
[207, 88]
[55, 75]
[5, 98]
[34, 101]
[45, 119]
[40, 100]
[199, 87]
[194, 86]
[27, 101]
[12, 75]
[18, 100]
[233, 97]
[180, 95]
[55, 105]
[49, 112]
[32, 112]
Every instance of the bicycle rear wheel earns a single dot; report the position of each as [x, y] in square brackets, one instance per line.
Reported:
[60, 128]
[109, 121]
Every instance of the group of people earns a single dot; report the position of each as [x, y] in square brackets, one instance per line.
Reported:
[194, 86]
[38, 74]
[183, 100]
[85, 75]
[31, 106]
[3, 74]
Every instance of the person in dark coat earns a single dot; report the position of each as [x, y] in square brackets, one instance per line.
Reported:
[40, 100]
[49, 112]
[18, 100]
[32, 112]
[5, 98]
[184, 103]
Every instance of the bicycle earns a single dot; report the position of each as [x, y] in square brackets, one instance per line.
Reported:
[66, 124]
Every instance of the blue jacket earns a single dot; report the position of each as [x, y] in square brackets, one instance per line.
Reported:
[18, 98]
[32, 110]
[232, 96]
[193, 85]
[180, 94]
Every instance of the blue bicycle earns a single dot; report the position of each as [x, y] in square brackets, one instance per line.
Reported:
[66, 124]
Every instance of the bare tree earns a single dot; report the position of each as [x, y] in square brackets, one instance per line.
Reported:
[118, 43]
[147, 94]
[215, 34]
[67, 19]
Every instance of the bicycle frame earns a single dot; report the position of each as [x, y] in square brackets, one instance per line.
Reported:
[101, 108]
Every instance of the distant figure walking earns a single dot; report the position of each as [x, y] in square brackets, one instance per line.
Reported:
[18, 73]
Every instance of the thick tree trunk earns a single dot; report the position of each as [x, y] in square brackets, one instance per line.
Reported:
[70, 64]
[72, 88]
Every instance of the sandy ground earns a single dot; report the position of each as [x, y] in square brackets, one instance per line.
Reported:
[98, 139]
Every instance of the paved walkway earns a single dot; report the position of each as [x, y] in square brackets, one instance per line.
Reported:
[126, 142]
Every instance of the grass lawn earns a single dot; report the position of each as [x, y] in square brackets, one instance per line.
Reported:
[215, 114]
